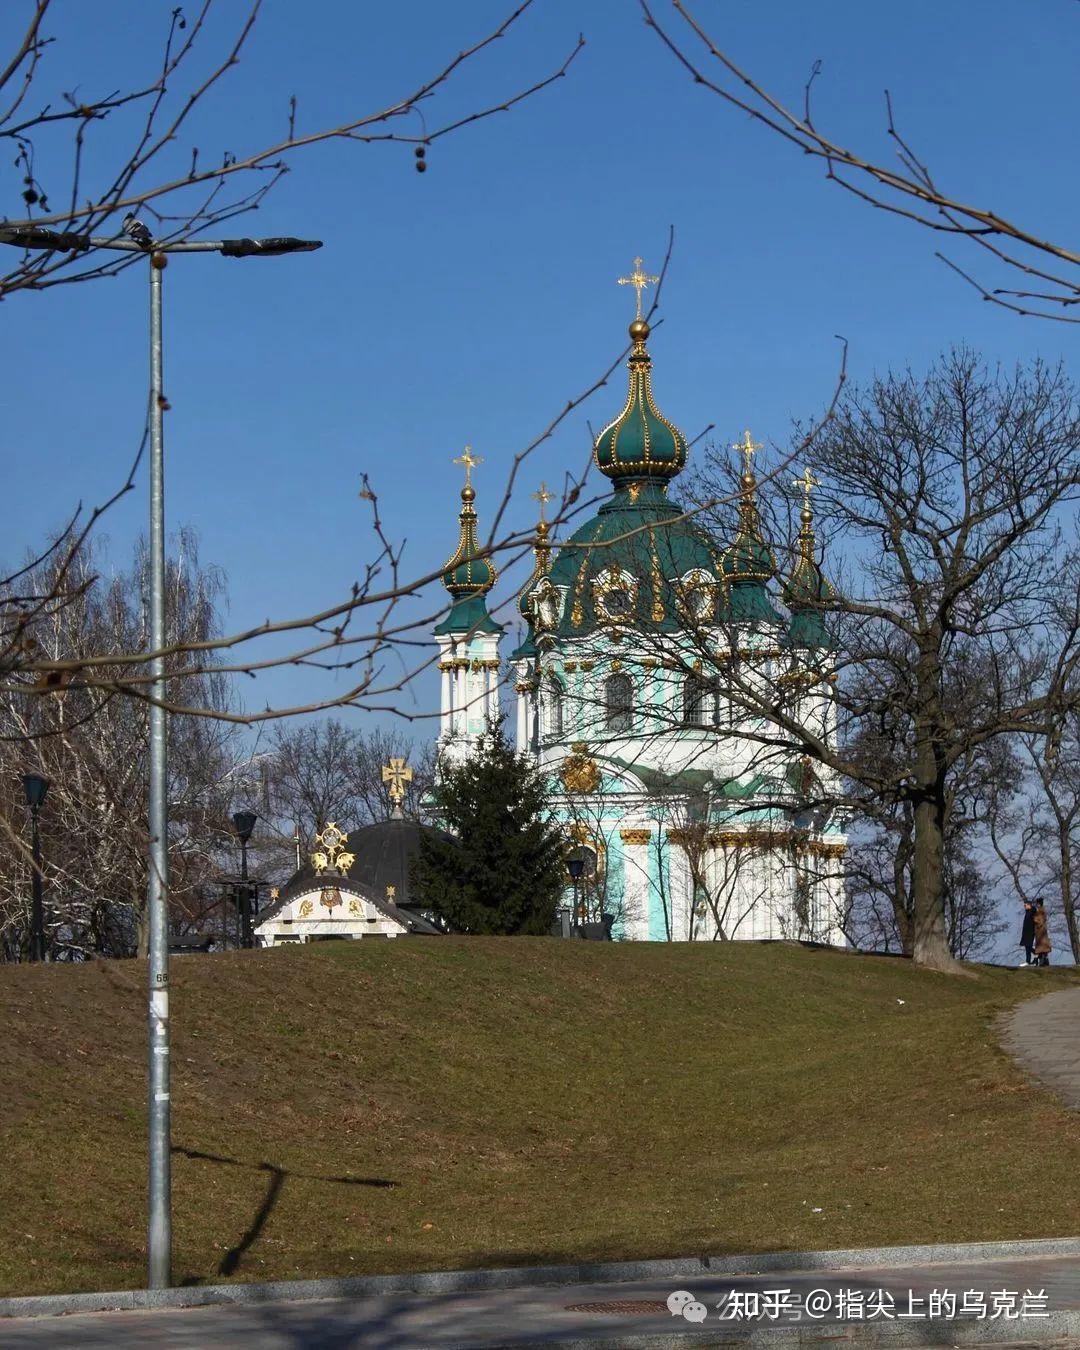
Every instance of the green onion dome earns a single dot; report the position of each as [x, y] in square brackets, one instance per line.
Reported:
[748, 557]
[640, 442]
[468, 577]
[806, 591]
[467, 572]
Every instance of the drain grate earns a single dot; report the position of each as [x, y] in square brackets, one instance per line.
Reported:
[622, 1307]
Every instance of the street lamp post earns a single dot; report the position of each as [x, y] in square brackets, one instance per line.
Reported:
[244, 824]
[35, 788]
[139, 240]
[575, 865]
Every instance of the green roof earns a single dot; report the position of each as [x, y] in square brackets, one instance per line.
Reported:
[467, 615]
[640, 532]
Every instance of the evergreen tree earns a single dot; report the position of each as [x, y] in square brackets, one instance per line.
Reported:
[503, 870]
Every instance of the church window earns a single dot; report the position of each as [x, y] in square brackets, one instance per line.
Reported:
[619, 702]
[555, 708]
[699, 701]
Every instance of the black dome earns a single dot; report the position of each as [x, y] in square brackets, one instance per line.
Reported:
[383, 853]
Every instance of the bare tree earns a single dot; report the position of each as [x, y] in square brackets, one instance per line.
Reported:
[93, 750]
[71, 177]
[908, 188]
[948, 496]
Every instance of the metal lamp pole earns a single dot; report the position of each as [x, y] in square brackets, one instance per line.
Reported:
[159, 1231]
[35, 788]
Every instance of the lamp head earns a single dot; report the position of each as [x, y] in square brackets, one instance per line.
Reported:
[35, 788]
[243, 824]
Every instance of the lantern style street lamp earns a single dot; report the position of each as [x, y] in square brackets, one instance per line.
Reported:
[244, 824]
[35, 788]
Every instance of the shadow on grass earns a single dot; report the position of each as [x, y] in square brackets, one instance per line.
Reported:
[230, 1262]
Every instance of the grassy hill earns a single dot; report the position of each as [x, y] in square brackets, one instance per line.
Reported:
[421, 1104]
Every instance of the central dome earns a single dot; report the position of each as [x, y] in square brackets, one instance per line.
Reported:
[640, 442]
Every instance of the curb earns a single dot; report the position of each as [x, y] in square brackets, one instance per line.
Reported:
[523, 1277]
[1059, 1329]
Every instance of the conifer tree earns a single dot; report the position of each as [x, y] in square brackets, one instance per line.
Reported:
[500, 870]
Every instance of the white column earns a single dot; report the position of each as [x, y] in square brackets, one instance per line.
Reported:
[636, 888]
[444, 707]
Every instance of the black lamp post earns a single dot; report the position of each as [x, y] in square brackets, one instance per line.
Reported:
[244, 824]
[575, 865]
[35, 788]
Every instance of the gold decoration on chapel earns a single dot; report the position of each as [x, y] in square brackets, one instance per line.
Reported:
[355, 909]
[306, 906]
[275, 893]
[330, 853]
[639, 279]
[397, 773]
[330, 898]
[635, 836]
[580, 774]
[391, 892]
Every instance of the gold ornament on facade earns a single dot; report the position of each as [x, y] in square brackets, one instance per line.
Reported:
[635, 836]
[580, 774]
[355, 909]
[330, 854]
[330, 898]
[306, 906]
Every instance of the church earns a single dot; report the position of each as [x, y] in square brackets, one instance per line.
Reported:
[650, 656]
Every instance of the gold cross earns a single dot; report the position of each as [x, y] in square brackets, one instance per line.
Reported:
[639, 280]
[543, 497]
[397, 774]
[807, 482]
[391, 891]
[470, 461]
[748, 448]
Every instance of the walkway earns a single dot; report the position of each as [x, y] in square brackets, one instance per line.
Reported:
[1043, 1034]
[881, 1305]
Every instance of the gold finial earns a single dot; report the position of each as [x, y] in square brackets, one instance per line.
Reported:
[470, 462]
[330, 853]
[397, 774]
[639, 280]
[391, 892]
[543, 496]
[748, 448]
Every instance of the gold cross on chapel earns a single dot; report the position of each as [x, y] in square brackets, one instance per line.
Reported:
[470, 461]
[808, 483]
[748, 448]
[397, 773]
[543, 496]
[639, 280]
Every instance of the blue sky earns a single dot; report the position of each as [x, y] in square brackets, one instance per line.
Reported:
[469, 303]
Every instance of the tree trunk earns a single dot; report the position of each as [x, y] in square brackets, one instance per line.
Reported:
[930, 947]
[1067, 901]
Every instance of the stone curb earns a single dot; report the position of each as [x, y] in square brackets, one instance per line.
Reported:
[1059, 1329]
[524, 1277]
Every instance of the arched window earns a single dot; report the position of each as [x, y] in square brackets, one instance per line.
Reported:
[699, 701]
[555, 706]
[619, 702]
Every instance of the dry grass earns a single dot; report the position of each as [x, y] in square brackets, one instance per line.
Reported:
[529, 1100]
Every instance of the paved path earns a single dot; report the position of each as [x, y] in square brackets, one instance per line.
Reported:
[1043, 1034]
[555, 1316]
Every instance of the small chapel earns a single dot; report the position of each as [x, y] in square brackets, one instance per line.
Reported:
[648, 650]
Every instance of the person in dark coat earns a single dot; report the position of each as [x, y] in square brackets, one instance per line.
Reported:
[1027, 930]
[1043, 946]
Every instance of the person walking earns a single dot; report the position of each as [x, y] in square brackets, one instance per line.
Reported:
[1027, 930]
[1043, 946]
